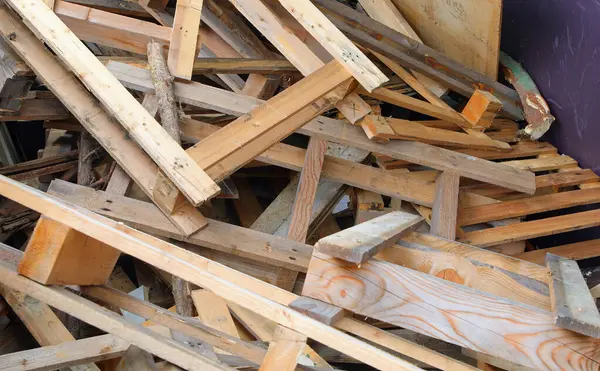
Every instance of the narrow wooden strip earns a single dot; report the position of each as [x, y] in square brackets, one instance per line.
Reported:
[445, 206]
[543, 164]
[527, 206]
[532, 229]
[575, 251]
[184, 38]
[37, 163]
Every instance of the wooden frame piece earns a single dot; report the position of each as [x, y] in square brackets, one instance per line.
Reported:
[445, 206]
[185, 44]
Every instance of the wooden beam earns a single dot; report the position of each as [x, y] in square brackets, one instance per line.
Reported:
[184, 44]
[445, 206]
[575, 251]
[67, 354]
[284, 350]
[481, 109]
[573, 306]
[90, 113]
[168, 155]
[189, 267]
[359, 243]
[448, 311]
[213, 312]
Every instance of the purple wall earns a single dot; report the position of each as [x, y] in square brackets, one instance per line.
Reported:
[558, 43]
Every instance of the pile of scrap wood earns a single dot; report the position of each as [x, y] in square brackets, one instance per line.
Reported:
[280, 185]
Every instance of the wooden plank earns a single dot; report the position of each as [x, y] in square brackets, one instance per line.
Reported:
[213, 312]
[184, 38]
[307, 188]
[450, 312]
[99, 123]
[72, 353]
[532, 229]
[284, 350]
[468, 32]
[190, 267]
[332, 39]
[573, 306]
[217, 235]
[575, 251]
[424, 154]
[527, 206]
[38, 163]
[168, 155]
[359, 243]
[481, 109]
[543, 163]
[57, 254]
[400, 345]
[322, 312]
[445, 206]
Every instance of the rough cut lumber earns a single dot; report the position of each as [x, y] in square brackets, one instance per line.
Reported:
[59, 255]
[213, 312]
[359, 243]
[184, 38]
[68, 302]
[527, 206]
[416, 56]
[15, 79]
[217, 235]
[284, 350]
[105, 129]
[445, 206]
[450, 312]
[532, 229]
[71, 353]
[191, 267]
[573, 306]
[321, 311]
[424, 154]
[481, 109]
[39, 163]
[168, 155]
[332, 39]
[575, 251]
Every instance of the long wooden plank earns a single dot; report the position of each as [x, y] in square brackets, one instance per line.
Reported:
[89, 112]
[532, 229]
[72, 353]
[450, 312]
[424, 154]
[222, 65]
[576, 251]
[184, 38]
[573, 306]
[332, 39]
[230, 284]
[168, 155]
[359, 243]
[527, 206]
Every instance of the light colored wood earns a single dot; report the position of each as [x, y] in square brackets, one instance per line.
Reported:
[445, 206]
[119, 182]
[481, 109]
[573, 306]
[449, 312]
[307, 188]
[135, 359]
[332, 39]
[169, 156]
[359, 243]
[94, 118]
[70, 353]
[184, 38]
[532, 229]
[284, 350]
[213, 312]
[424, 154]
[321, 311]
[575, 251]
[527, 206]
[191, 267]
[59, 255]
[468, 32]
[385, 12]
[543, 164]
[400, 345]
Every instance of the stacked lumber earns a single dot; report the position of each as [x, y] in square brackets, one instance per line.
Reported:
[284, 184]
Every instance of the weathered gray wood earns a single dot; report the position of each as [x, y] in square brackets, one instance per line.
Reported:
[573, 306]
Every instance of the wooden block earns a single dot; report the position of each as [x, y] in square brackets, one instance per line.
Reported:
[321, 311]
[284, 350]
[213, 312]
[573, 306]
[359, 243]
[366, 200]
[481, 109]
[58, 255]
[445, 206]
[184, 38]
[377, 128]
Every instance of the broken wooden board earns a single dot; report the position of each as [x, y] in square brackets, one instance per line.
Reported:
[359, 243]
[573, 306]
[450, 312]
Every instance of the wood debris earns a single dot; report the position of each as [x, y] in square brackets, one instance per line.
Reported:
[280, 185]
